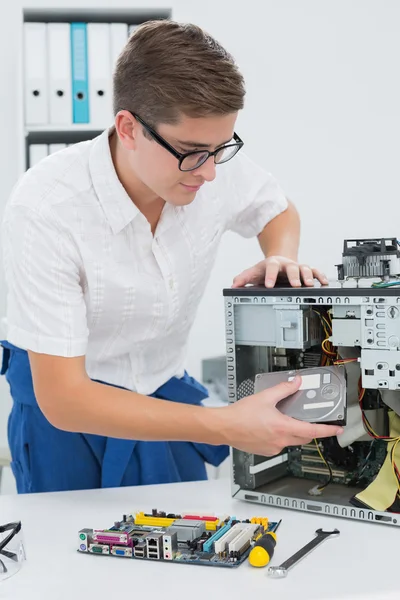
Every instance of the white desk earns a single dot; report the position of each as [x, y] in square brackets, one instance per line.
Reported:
[340, 568]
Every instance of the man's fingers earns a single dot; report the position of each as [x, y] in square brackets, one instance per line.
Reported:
[323, 431]
[309, 431]
[242, 279]
[252, 275]
[320, 277]
[307, 275]
[239, 281]
[282, 390]
[293, 274]
[272, 269]
[299, 441]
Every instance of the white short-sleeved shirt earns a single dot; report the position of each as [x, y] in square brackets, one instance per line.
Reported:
[85, 275]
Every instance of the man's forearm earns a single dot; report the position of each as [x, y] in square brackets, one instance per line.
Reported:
[281, 236]
[106, 410]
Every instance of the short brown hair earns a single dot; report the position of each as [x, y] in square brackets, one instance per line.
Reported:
[168, 69]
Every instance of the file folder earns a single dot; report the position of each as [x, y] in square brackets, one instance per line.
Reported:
[60, 85]
[80, 83]
[35, 72]
[36, 153]
[99, 57]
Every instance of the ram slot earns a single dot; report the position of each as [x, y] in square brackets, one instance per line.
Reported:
[142, 519]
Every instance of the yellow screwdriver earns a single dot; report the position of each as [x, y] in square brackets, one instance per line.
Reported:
[263, 549]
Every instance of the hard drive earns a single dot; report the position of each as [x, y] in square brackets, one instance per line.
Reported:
[321, 397]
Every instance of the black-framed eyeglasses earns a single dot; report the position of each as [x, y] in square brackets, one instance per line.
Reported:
[189, 161]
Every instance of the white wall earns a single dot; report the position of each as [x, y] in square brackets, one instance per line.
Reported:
[322, 114]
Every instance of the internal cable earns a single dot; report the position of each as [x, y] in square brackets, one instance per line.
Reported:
[385, 284]
[324, 485]
[328, 351]
[373, 434]
[318, 489]
[345, 361]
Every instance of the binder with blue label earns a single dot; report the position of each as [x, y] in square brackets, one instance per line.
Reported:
[80, 79]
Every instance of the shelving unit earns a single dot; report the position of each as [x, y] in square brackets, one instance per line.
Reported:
[71, 134]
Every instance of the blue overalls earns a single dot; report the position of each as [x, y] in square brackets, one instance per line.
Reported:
[46, 459]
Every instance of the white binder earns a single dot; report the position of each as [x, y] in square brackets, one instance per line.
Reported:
[36, 153]
[59, 73]
[118, 38]
[35, 72]
[56, 147]
[99, 59]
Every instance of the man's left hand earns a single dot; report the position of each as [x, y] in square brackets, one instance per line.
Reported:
[270, 269]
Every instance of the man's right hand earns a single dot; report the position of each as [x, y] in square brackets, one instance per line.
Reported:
[72, 402]
[255, 425]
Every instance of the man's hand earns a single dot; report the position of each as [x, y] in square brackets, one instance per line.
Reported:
[255, 425]
[270, 269]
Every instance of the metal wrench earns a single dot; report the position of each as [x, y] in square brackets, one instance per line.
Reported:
[283, 569]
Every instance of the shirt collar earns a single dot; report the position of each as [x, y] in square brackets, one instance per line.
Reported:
[117, 205]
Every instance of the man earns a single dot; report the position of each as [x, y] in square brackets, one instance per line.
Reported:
[108, 246]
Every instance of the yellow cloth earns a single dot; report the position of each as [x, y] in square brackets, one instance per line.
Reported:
[381, 493]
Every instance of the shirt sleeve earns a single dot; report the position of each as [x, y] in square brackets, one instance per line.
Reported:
[254, 196]
[46, 311]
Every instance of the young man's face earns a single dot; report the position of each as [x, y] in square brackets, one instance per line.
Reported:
[159, 170]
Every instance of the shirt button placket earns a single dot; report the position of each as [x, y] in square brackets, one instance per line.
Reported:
[168, 277]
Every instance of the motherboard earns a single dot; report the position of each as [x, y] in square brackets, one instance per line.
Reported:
[222, 541]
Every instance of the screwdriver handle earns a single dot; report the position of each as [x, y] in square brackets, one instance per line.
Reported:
[263, 550]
